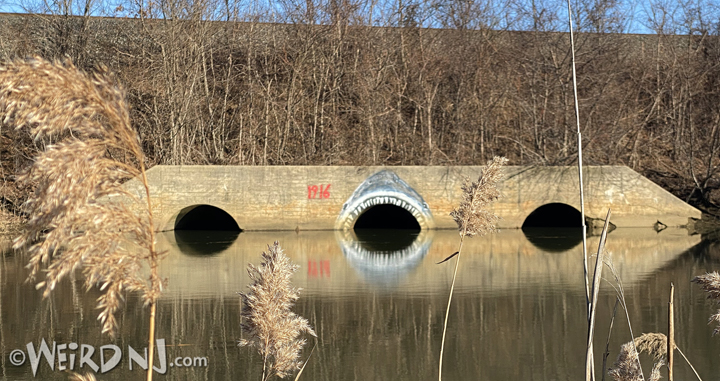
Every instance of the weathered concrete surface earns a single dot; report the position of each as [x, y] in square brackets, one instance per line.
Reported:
[312, 197]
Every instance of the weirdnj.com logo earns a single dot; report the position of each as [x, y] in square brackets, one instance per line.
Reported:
[74, 356]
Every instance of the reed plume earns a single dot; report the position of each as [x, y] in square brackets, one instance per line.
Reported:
[82, 377]
[473, 218]
[627, 365]
[272, 328]
[710, 283]
[73, 222]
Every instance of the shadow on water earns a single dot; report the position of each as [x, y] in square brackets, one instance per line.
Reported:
[553, 240]
[204, 242]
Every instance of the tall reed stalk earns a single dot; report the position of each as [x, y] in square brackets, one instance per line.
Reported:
[74, 224]
[473, 218]
[597, 276]
[269, 323]
[589, 374]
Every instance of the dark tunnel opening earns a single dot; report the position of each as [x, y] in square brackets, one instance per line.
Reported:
[554, 227]
[205, 230]
[555, 215]
[387, 216]
[386, 228]
[206, 217]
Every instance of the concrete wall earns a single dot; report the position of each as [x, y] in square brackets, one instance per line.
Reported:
[312, 197]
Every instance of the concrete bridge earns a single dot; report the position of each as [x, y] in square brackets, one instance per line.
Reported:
[347, 197]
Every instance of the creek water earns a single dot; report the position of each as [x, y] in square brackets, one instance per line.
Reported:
[377, 300]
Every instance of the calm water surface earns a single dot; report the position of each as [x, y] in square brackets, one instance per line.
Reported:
[377, 302]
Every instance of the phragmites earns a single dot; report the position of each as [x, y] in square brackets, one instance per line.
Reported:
[270, 325]
[472, 216]
[627, 365]
[82, 377]
[654, 344]
[710, 283]
[72, 224]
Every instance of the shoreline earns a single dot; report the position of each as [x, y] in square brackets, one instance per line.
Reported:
[10, 224]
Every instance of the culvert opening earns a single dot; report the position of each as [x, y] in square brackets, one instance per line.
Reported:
[554, 227]
[386, 216]
[555, 215]
[206, 217]
[205, 230]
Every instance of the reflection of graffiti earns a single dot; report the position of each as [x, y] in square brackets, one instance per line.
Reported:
[313, 269]
[384, 188]
[323, 191]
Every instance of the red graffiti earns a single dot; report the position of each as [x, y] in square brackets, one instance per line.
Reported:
[323, 191]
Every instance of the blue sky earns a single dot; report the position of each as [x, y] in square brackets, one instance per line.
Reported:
[646, 16]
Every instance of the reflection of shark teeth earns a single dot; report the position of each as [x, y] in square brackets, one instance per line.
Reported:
[384, 267]
[395, 258]
[384, 188]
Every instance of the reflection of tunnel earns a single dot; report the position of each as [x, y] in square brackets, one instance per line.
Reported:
[205, 230]
[205, 217]
[385, 240]
[555, 215]
[386, 216]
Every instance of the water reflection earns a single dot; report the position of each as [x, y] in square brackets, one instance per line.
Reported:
[518, 313]
[335, 263]
[554, 240]
[204, 242]
[384, 256]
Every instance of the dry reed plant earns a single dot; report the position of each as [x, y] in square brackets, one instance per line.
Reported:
[654, 344]
[82, 377]
[72, 225]
[710, 283]
[473, 218]
[629, 355]
[597, 276]
[270, 324]
[627, 366]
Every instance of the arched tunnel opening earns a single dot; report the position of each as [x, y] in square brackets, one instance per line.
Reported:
[386, 228]
[554, 227]
[386, 216]
[555, 215]
[206, 217]
[205, 230]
